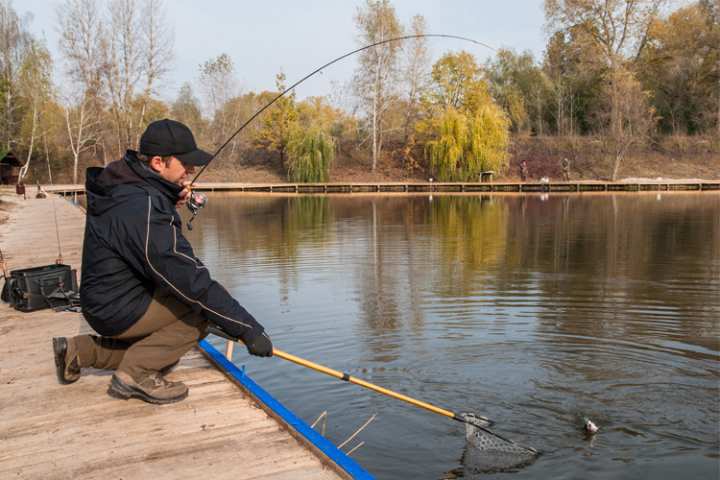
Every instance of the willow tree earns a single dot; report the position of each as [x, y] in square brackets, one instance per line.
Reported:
[467, 144]
[310, 155]
[465, 131]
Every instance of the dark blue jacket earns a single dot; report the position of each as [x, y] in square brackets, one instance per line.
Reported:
[134, 246]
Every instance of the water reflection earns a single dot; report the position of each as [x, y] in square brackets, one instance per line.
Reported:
[536, 311]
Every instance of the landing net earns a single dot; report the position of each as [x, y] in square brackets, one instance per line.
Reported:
[489, 452]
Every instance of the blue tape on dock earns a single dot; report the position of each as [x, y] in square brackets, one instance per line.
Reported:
[321, 443]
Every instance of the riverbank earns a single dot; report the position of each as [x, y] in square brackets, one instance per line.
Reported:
[676, 158]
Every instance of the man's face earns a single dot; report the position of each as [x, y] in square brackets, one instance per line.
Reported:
[173, 171]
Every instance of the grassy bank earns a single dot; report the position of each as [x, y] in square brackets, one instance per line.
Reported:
[671, 158]
[674, 157]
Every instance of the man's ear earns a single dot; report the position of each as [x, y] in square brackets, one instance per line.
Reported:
[157, 163]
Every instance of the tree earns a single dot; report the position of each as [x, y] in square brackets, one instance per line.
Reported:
[186, 109]
[415, 74]
[618, 29]
[157, 53]
[35, 87]
[375, 78]
[139, 53]
[680, 66]
[521, 88]
[310, 154]
[457, 83]
[14, 40]
[467, 144]
[627, 116]
[280, 122]
[83, 44]
[217, 78]
[575, 67]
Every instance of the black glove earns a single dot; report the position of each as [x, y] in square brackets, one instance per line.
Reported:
[260, 346]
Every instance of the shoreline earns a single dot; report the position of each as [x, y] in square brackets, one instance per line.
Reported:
[407, 188]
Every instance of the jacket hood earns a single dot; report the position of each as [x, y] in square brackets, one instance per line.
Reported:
[103, 184]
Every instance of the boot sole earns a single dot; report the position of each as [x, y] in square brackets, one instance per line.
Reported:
[60, 350]
[119, 390]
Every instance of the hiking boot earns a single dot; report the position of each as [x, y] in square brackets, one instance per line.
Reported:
[151, 387]
[67, 364]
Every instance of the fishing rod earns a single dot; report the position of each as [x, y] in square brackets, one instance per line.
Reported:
[197, 201]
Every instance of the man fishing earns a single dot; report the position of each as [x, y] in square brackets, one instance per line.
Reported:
[142, 289]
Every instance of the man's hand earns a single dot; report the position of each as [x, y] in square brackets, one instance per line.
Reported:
[260, 346]
[184, 194]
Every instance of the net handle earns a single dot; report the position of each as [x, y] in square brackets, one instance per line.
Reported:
[480, 421]
[371, 386]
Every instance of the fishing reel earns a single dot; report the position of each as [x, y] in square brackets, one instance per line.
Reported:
[196, 201]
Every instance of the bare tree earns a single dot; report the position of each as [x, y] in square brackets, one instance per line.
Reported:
[140, 54]
[83, 44]
[35, 87]
[619, 27]
[628, 117]
[124, 68]
[157, 52]
[117, 60]
[217, 78]
[81, 124]
[378, 66]
[416, 72]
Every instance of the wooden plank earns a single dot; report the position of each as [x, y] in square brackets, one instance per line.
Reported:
[77, 431]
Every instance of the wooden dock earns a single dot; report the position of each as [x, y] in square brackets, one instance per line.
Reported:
[53, 431]
[436, 187]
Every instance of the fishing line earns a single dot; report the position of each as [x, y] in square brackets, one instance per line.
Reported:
[59, 260]
[197, 201]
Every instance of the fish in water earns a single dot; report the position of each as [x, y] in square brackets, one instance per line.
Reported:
[590, 427]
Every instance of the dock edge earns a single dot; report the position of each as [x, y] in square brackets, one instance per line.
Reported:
[328, 453]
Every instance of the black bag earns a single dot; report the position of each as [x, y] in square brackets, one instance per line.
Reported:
[49, 286]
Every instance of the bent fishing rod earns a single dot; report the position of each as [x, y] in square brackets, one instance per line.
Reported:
[198, 201]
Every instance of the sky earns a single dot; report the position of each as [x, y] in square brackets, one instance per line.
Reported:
[265, 37]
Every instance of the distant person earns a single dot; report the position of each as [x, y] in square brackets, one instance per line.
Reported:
[523, 171]
[565, 165]
[143, 290]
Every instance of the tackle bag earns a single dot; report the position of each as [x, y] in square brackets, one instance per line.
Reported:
[50, 286]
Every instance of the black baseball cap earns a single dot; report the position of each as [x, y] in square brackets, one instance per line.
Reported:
[168, 137]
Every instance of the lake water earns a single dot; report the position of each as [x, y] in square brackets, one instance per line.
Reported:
[536, 311]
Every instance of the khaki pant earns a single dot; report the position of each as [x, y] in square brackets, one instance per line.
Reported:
[166, 331]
